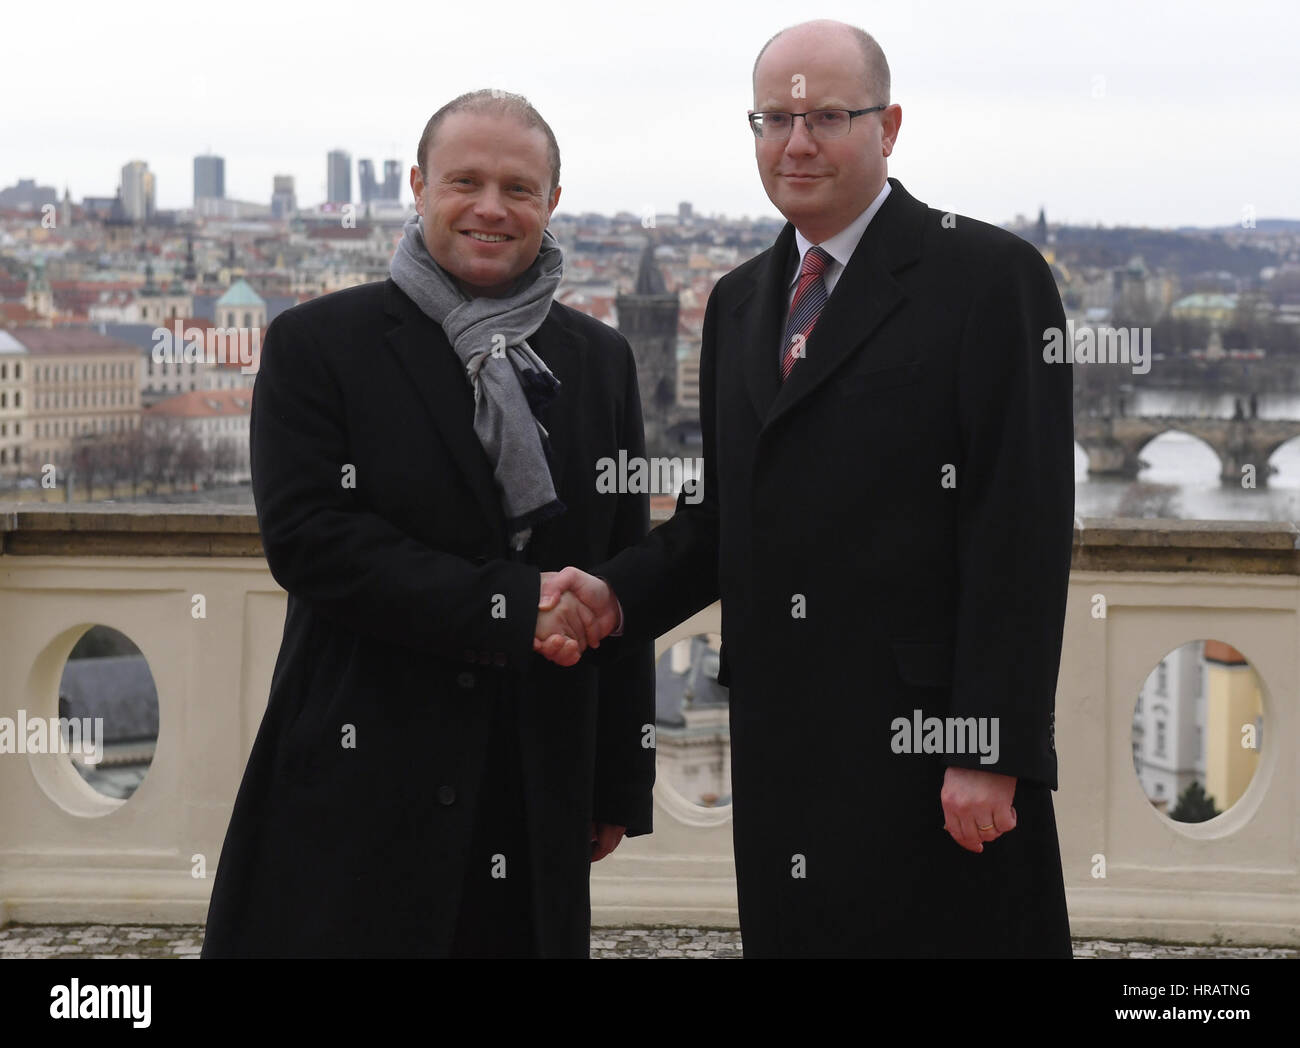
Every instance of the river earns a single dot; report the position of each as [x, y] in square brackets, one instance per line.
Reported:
[1182, 477]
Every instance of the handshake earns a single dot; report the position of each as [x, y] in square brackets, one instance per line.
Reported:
[574, 612]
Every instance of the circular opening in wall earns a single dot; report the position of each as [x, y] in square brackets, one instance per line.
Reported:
[1198, 731]
[108, 712]
[692, 730]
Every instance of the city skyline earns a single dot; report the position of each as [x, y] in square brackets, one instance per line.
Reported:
[1162, 116]
[1248, 218]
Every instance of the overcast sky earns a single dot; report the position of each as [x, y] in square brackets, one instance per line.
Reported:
[1141, 112]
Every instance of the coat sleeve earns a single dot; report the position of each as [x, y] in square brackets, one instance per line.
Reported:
[323, 544]
[673, 573]
[625, 755]
[1015, 515]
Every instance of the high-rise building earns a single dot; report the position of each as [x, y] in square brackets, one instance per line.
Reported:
[284, 202]
[392, 180]
[338, 176]
[27, 195]
[366, 172]
[137, 191]
[209, 178]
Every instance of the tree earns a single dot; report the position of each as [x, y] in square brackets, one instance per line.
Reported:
[161, 439]
[90, 460]
[129, 456]
[1194, 805]
[191, 456]
[223, 460]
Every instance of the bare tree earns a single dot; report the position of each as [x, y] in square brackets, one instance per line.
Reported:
[224, 458]
[88, 461]
[129, 457]
[191, 457]
[160, 447]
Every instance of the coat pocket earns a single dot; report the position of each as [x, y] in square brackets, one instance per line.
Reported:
[300, 675]
[881, 379]
[924, 663]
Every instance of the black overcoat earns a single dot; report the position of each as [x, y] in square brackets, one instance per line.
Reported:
[889, 531]
[408, 620]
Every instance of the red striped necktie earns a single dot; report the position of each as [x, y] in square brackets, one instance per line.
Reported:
[809, 297]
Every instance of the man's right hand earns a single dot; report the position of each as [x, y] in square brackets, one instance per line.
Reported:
[564, 625]
[599, 610]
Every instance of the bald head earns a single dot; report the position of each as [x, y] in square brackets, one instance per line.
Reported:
[875, 70]
[822, 182]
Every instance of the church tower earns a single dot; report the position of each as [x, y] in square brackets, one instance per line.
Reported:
[191, 273]
[647, 317]
[39, 298]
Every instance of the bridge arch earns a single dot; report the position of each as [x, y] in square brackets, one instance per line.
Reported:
[1198, 454]
[1244, 446]
[1284, 461]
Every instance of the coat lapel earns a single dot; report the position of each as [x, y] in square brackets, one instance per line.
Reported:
[423, 349]
[761, 313]
[864, 296]
[559, 345]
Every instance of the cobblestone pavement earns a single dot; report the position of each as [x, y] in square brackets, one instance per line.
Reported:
[184, 940]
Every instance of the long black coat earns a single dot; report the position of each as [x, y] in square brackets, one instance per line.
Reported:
[856, 587]
[395, 628]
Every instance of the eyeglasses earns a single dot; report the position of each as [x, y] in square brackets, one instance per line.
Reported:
[821, 123]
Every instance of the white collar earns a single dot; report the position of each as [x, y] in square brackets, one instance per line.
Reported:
[842, 245]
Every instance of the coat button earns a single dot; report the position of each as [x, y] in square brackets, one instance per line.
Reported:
[466, 679]
[446, 795]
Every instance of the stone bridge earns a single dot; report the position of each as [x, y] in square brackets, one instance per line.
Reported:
[1113, 445]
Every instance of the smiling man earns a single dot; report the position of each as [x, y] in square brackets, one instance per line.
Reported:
[484, 245]
[887, 517]
[423, 783]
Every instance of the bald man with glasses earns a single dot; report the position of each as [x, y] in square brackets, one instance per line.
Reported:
[887, 518]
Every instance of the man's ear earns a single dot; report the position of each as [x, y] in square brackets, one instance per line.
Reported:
[891, 121]
[550, 207]
[417, 183]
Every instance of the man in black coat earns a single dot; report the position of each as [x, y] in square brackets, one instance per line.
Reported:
[886, 516]
[423, 783]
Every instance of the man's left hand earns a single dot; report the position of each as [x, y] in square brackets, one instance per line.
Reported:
[604, 839]
[977, 806]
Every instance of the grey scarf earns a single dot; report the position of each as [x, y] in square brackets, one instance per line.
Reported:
[509, 380]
